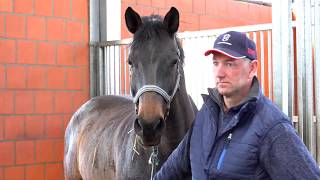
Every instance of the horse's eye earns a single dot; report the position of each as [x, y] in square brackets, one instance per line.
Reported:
[129, 62]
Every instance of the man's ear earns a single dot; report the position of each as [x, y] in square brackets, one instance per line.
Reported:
[253, 68]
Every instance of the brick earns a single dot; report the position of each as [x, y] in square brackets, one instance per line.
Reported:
[158, 3]
[144, 2]
[15, 26]
[2, 25]
[74, 78]
[26, 52]
[63, 102]
[24, 102]
[6, 5]
[14, 127]
[35, 172]
[74, 31]
[36, 28]
[181, 5]
[79, 99]
[56, 77]
[240, 10]
[16, 77]
[65, 54]
[81, 54]
[86, 32]
[1, 128]
[215, 7]
[8, 51]
[54, 126]
[56, 29]
[80, 9]
[145, 10]
[86, 80]
[66, 119]
[171, 3]
[2, 76]
[46, 53]
[6, 102]
[61, 8]
[44, 151]
[249, 10]
[58, 149]
[130, 2]
[212, 22]
[1, 173]
[14, 173]
[189, 22]
[36, 78]
[25, 152]
[199, 6]
[6, 153]
[23, 6]
[42, 7]
[54, 171]
[266, 15]
[44, 102]
[34, 127]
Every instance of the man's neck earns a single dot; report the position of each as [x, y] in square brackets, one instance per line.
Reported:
[237, 99]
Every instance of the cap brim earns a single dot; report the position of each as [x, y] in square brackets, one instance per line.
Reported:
[226, 52]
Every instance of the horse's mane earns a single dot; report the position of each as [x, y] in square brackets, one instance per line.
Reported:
[152, 28]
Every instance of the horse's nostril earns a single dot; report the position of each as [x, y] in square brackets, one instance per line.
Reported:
[160, 125]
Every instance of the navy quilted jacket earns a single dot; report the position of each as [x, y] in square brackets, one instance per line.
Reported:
[258, 141]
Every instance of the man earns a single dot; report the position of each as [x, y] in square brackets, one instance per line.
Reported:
[239, 133]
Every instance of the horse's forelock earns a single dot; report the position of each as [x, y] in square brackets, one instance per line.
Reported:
[152, 28]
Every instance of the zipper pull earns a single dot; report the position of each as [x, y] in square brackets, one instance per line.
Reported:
[229, 139]
[230, 136]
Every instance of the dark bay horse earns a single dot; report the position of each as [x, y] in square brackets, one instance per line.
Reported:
[115, 137]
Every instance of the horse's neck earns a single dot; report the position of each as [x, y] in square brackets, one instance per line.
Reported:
[179, 120]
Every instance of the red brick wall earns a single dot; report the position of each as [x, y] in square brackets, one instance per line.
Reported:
[44, 77]
[202, 14]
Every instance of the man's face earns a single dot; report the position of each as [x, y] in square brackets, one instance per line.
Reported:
[233, 76]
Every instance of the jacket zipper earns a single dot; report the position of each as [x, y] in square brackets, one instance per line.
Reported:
[224, 151]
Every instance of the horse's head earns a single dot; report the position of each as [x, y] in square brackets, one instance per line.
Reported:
[155, 61]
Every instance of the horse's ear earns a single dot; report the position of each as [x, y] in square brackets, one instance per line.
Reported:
[133, 20]
[171, 20]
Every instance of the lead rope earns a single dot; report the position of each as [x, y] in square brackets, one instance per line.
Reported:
[153, 160]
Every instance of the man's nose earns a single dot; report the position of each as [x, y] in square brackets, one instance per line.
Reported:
[220, 71]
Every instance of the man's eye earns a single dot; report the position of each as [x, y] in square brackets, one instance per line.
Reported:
[230, 64]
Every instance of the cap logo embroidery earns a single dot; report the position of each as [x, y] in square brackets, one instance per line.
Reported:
[226, 37]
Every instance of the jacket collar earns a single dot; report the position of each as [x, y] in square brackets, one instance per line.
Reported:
[246, 107]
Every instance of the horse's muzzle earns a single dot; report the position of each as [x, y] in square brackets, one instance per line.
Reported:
[149, 133]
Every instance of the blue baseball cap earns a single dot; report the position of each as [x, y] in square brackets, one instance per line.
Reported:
[235, 45]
